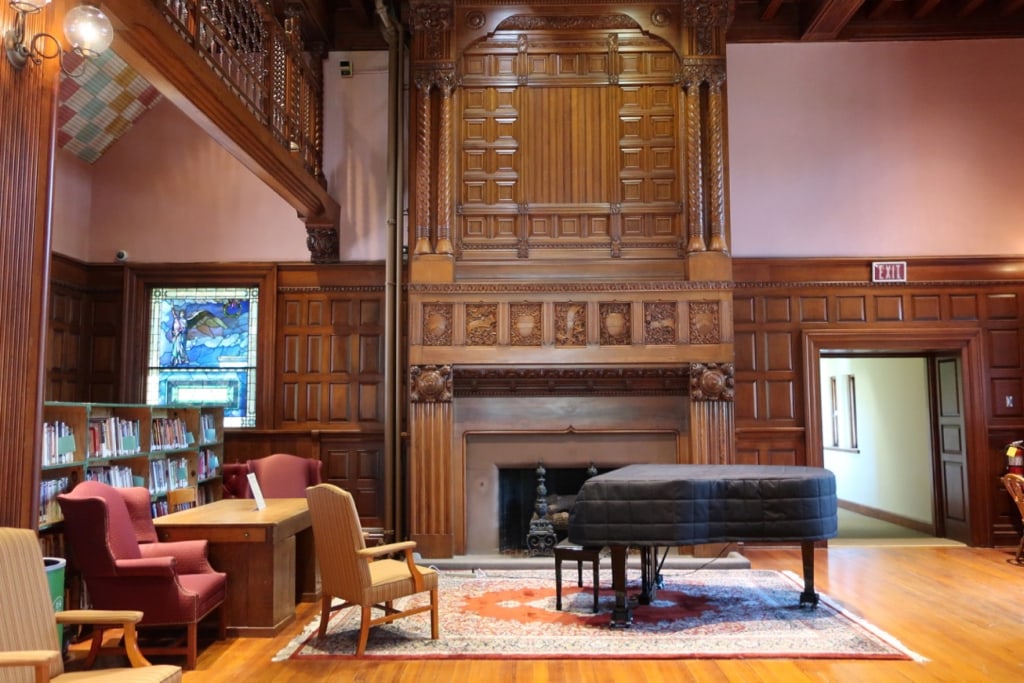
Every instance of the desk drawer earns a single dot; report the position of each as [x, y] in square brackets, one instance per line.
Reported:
[216, 534]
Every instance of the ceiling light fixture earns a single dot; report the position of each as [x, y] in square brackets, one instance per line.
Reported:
[87, 29]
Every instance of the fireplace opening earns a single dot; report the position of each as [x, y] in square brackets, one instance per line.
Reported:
[517, 498]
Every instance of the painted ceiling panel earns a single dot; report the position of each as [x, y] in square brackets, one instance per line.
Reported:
[100, 105]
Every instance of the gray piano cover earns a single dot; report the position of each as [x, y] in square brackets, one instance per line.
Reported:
[685, 504]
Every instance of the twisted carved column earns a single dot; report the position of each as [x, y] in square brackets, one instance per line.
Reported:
[444, 166]
[712, 422]
[423, 152]
[716, 140]
[430, 457]
[694, 163]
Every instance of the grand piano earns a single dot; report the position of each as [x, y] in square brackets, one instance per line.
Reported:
[661, 506]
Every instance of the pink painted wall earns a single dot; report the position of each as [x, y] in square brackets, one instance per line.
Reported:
[877, 149]
[836, 149]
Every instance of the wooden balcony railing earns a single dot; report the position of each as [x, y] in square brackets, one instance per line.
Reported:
[263, 64]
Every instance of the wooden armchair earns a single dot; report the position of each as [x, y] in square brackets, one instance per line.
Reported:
[359, 575]
[29, 650]
[1014, 483]
[124, 566]
[282, 475]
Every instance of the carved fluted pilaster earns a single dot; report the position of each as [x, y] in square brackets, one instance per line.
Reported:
[444, 165]
[712, 413]
[430, 460]
[423, 154]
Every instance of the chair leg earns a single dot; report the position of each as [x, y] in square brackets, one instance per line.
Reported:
[94, 647]
[434, 632]
[558, 582]
[191, 645]
[364, 630]
[1020, 552]
[325, 614]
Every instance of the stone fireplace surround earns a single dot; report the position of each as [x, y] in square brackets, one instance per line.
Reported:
[495, 432]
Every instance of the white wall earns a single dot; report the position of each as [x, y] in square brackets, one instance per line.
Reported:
[891, 469]
[876, 149]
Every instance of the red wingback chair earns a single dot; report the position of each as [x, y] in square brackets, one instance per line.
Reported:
[234, 478]
[285, 476]
[114, 544]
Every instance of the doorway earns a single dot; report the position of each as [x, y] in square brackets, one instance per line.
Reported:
[915, 464]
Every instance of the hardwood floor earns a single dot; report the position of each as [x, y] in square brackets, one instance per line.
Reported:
[958, 607]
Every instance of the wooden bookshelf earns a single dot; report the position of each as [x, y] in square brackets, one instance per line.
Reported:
[161, 447]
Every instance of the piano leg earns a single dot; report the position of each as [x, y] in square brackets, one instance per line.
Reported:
[808, 598]
[649, 583]
[622, 613]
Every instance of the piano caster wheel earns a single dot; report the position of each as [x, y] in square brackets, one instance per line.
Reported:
[809, 600]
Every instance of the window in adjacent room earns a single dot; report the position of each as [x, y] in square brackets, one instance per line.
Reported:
[843, 407]
[202, 349]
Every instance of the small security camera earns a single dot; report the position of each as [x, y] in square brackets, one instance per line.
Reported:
[121, 255]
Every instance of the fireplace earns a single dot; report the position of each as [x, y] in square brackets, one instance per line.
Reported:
[566, 457]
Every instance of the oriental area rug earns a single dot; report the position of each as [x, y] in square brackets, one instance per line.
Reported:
[722, 613]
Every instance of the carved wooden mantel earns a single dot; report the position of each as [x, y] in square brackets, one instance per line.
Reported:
[568, 220]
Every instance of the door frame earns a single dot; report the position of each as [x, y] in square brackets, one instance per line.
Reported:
[925, 340]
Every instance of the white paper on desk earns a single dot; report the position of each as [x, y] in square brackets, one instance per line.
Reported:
[254, 486]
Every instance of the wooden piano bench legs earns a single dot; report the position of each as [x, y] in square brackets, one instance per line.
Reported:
[580, 554]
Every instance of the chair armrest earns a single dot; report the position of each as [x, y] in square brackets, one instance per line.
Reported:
[400, 546]
[124, 618]
[191, 556]
[146, 566]
[99, 617]
[388, 549]
[39, 660]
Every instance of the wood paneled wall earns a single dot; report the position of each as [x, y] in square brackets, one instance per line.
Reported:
[782, 304]
[27, 116]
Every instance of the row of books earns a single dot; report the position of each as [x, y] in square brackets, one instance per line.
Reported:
[169, 433]
[58, 443]
[208, 427]
[113, 436]
[49, 509]
[113, 475]
[208, 465]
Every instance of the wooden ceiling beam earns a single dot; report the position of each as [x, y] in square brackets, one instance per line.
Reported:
[829, 18]
[922, 8]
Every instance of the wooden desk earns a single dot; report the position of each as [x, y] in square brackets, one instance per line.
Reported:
[267, 554]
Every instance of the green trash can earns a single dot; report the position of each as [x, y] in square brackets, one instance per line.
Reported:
[55, 567]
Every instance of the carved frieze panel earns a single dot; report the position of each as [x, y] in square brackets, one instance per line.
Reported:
[660, 322]
[615, 323]
[705, 322]
[437, 324]
[570, 323]
[525, 324]
[482, 324]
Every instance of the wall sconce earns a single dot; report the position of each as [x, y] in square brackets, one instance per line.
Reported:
[87, 29]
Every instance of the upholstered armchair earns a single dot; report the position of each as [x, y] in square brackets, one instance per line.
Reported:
[29, 650]
[285, 476]
[234, 480]
[359, 575]
[112, 539]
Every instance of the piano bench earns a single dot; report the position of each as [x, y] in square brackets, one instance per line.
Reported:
[565, 550]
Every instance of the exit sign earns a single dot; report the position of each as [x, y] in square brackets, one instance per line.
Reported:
[888, 271]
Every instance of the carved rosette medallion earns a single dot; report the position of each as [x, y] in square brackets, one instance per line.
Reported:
[712, 381]
[430, 383]
[437, 324]
[570, 324]
[705, 324]
[525, 324]
[660, 322]
[615, 323]
[481, 324]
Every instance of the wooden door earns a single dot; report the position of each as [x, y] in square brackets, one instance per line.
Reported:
[951, 449]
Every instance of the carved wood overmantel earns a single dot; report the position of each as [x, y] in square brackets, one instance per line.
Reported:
[568, 213]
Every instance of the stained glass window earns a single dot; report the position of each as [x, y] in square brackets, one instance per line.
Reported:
[202, 349]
